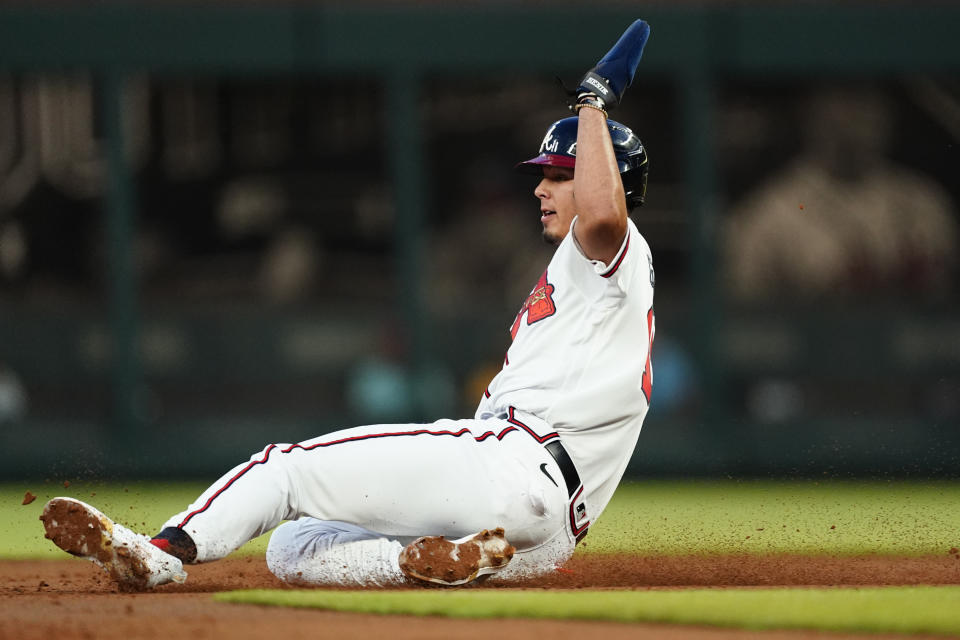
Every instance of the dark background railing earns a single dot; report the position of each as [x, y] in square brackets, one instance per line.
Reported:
[227, 225]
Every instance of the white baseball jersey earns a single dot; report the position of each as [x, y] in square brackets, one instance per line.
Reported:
[580, 359]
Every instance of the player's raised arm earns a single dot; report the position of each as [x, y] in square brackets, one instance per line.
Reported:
[598, 189]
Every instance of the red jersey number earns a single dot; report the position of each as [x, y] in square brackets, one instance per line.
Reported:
[646, 382]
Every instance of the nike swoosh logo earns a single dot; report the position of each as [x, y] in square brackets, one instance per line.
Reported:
[543, 467]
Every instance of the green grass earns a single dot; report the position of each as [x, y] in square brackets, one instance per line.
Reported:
[934, 610]
[650, 518]
[831, 517]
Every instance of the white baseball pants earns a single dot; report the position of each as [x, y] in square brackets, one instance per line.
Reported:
[358, 495]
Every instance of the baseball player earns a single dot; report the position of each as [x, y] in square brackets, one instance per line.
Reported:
[505, 494]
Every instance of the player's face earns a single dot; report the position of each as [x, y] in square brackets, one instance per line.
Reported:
[557, 206]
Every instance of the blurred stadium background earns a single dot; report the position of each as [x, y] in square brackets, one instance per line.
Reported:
[228, 224]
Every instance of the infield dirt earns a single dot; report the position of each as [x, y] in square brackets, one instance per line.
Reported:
[71, 599]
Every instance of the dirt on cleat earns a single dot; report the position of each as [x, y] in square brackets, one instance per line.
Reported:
[436, 560]
[83, 531]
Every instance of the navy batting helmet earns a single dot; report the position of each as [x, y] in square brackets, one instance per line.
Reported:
[559, 149]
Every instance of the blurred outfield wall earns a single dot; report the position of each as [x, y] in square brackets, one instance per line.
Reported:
[223, 226]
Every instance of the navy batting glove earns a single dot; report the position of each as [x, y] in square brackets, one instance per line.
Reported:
[608, 81]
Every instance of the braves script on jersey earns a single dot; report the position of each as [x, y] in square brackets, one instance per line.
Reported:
[580, 360]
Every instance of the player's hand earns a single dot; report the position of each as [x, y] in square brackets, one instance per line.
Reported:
[603, 86]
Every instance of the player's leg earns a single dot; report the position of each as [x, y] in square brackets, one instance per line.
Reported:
[250, 499]
[450, 478]
[535, 516]
[318, 552]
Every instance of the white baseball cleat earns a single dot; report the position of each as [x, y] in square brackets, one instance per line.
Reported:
[437, 560]
[130, 559]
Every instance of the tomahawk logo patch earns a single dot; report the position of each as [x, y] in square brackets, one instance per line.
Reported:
[538, 305]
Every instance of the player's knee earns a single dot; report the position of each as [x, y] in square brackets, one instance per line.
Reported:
[323, 553]
[297, 549]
